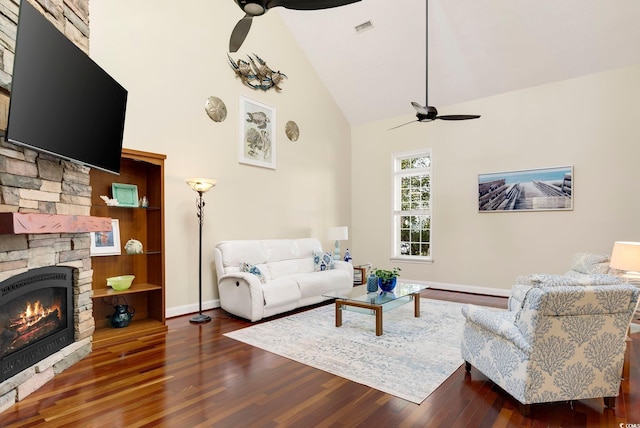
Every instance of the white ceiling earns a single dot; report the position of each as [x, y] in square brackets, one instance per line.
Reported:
[477, 48]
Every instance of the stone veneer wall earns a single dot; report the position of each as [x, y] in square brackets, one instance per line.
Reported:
[39, 183]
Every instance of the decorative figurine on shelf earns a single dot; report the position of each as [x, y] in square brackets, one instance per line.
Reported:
[144, 202]
[347, 256]
[133, 246]
[110, 202]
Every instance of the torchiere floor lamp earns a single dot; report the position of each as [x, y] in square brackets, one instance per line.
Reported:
[200, 185]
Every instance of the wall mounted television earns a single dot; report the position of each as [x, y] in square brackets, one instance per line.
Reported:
[62, 102]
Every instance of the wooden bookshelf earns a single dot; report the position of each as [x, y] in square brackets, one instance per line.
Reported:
[147, 293]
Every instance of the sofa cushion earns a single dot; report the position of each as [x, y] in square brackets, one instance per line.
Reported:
[545, 279]
[590, 263]
[594, 278]
[235, 252]
[280, 291]
[283, 268]
[323, 261]
[317, 283]
[246, 267]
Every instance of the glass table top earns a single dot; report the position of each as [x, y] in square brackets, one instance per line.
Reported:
[360, 294]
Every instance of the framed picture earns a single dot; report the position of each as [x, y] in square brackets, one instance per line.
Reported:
[125, 194]
[543, 189]
[358, 275]
[257, 133]
[106, 243]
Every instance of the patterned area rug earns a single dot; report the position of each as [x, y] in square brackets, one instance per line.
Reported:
[410, 360]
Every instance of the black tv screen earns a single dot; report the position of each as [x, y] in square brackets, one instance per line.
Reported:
[62, 102]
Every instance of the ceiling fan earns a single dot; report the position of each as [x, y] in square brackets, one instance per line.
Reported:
[260, 7]
[429, 113]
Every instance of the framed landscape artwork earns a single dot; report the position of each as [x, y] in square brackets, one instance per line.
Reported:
[257, 134]
[543, 189]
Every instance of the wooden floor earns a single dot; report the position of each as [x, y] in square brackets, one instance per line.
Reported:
[196, 377]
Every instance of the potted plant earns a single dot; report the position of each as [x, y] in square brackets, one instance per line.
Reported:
[387, 278]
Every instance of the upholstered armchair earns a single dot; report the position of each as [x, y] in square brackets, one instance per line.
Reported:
[564, 343]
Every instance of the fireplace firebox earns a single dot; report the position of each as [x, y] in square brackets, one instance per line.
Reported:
[36, 317]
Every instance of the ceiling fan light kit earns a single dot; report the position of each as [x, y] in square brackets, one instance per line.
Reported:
[259, 7]
[253, 8]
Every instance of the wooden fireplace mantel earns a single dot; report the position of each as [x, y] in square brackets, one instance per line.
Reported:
[36, 223]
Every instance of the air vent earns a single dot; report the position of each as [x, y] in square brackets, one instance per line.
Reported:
[364, 27]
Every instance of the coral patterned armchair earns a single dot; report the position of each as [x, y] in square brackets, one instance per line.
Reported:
[564, 343]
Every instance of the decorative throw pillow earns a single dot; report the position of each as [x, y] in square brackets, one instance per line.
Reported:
[323, 261]
[589, 263]
[246, 267]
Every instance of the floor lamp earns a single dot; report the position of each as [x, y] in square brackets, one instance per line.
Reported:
[200, 185]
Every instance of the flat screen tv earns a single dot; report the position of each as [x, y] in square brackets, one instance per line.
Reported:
[62, 102]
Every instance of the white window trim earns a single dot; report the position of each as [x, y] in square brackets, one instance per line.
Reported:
[394, 235]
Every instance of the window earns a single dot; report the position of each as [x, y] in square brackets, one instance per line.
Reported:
[412, 205]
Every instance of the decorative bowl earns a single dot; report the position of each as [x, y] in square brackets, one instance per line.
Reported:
[121, 282]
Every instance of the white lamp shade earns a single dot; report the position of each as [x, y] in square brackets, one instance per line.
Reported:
[626, 256]
[201, 184]
[338, 233]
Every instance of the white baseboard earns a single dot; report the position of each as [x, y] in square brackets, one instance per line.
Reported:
[192, 308]
[488, 291]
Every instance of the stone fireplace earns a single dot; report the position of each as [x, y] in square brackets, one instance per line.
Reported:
[44, 237]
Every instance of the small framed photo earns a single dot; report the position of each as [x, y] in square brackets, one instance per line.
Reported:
[257, 133]
[106, 243]
[359, 275]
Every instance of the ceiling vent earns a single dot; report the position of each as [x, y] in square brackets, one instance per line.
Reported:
[364, 27]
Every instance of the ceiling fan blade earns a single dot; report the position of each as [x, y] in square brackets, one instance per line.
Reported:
[239, 33]
[402, 125]
[458, 116]
[309, 4]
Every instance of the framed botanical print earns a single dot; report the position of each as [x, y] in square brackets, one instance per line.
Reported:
[257, 133]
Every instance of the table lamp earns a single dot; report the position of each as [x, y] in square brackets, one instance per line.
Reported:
[338, 233]
[626, 257]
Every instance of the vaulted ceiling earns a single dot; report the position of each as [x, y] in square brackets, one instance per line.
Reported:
[477, 48]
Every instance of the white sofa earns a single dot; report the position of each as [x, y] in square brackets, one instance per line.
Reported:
[261, 278]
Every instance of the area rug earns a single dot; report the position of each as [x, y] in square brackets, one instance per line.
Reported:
[410, 360]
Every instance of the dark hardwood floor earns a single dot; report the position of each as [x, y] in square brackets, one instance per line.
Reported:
[196, 377]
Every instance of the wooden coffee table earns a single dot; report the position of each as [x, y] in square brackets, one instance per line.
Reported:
[376, 303]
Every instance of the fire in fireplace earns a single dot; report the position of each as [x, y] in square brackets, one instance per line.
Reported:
[36, 317]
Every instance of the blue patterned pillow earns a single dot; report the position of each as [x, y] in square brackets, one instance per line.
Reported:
[246, 267]
[323, 261]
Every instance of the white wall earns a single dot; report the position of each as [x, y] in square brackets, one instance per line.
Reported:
[589, 122]
[172, 56]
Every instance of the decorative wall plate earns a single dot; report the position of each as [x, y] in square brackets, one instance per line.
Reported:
[216, 109]
[292, 131]
[125, 194]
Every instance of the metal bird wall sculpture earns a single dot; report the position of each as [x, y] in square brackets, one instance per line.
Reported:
[256, 73]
